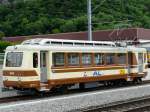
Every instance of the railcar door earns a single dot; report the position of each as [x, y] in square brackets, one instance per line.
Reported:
[43, 66]
[140, 62]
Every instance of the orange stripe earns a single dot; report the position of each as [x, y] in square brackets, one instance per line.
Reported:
[22, 84]
[20, 73]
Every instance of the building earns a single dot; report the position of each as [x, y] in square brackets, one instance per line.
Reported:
[131, 34]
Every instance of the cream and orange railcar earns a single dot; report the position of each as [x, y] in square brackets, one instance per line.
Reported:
[44, 64]
[148, 58]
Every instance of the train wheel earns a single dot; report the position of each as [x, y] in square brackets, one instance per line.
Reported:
[81, 86]
[115, 82]
[137, 80]
[63, 89]
[134, 81]
[124, 82]
[111, 83]
[108, 83]
[105, 83]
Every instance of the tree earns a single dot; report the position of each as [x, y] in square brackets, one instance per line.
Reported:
[29, 17]
[3, 45]
[1, 35]
[69, 26]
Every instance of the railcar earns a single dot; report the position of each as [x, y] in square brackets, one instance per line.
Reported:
[148, 59]
[46, 64]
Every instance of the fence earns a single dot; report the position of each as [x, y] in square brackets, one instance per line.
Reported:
[1, 58]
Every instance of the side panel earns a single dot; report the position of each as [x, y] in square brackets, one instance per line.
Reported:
[74, 73]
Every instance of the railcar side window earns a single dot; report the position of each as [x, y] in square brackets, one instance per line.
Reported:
[58, 59]
[121, 58]
[86, 59]
[35, 60]
[14, 59]
[73, 59]
[110, 58]
[99, 59]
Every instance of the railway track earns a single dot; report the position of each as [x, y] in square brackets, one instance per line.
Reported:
[145, 108]
[55, 94]
[136, 105]
[16, 98]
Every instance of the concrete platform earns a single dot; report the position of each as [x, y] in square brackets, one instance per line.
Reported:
[77, 101]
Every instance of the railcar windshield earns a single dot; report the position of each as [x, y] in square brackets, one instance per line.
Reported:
[14, 59]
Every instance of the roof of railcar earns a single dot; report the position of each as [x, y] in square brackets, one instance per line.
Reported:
[70, 45]
[73, 49]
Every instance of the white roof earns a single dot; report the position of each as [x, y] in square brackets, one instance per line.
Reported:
[40, 41]
[71, 46]
[142, 41]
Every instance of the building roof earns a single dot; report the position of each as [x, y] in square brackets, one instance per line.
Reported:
[133, 34]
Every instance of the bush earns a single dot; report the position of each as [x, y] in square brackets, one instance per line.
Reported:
[3, 45]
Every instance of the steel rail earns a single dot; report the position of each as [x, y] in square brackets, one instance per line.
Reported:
[132, 105]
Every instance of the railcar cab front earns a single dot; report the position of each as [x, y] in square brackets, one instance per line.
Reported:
[25, 69]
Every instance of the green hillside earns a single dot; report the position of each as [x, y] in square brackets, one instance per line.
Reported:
[28, 17]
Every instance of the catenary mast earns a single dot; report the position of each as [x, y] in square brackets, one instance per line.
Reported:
[89, 13]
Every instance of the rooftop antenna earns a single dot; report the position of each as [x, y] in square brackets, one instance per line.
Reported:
[89, 13]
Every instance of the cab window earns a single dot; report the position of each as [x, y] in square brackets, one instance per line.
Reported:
[14, 59]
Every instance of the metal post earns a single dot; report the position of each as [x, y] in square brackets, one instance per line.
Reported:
[89, 20]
